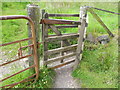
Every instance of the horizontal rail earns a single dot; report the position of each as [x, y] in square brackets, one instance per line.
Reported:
[15, 17]
[15, 60]
[17, 73]
[59, 21]
[26, 46]
[67, 26]
[57, 66]
[30, 45]
[62, 37]
[59, 58]
[25, 80]
[62, 34]
[15, 41]
[63, 15]
[49, 52]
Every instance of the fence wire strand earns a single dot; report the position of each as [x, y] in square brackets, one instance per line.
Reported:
[103, 10]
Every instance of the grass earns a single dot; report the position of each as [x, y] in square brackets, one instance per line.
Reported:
[94, 72]
[45, 79]
[99, 66]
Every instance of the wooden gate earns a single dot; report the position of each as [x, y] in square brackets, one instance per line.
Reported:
[66, 49]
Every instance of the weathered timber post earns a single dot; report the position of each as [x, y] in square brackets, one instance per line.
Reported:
[43, 12]
[82, 35]
[44, 35]
[34, 14]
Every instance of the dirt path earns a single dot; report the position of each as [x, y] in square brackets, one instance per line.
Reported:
[64, 78]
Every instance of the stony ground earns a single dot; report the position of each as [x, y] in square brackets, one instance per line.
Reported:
[11, 68]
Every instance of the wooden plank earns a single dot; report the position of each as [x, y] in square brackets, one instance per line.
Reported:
[67, 26]
[62, 34]
[60, 65]
[49, 52]
[59, 21]
[59, 34]
[63, 15]
[62, 37]
[101, 22]
[59, 58]
[55, 30]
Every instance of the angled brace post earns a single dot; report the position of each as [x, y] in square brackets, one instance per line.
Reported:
[100, 21]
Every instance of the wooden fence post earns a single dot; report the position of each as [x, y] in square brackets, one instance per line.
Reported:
[45, 35]
[34, 14]
[82, 35]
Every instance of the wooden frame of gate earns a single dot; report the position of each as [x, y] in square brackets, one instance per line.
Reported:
[33, 46]
[65, 45]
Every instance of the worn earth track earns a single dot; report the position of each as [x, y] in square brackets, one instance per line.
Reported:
[63, 78]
